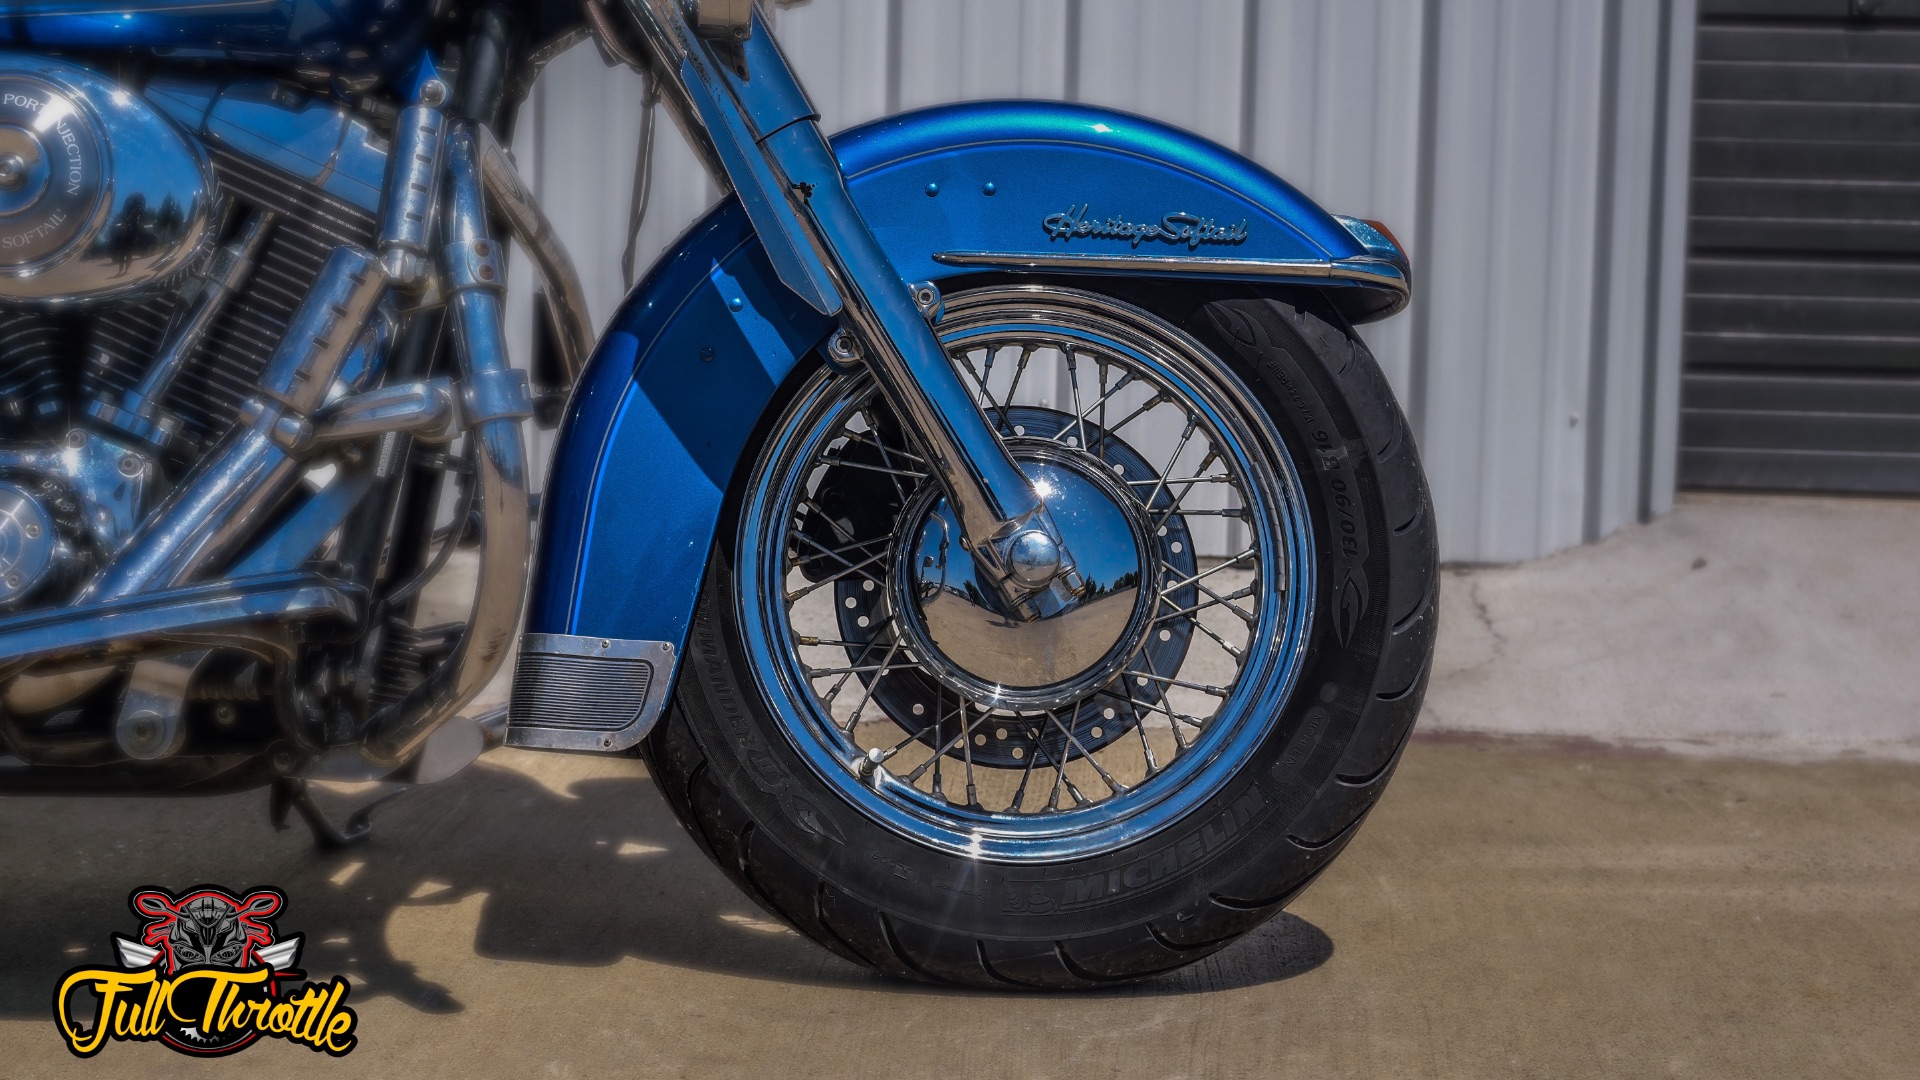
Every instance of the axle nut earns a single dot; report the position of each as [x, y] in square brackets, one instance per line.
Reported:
[1033, 557]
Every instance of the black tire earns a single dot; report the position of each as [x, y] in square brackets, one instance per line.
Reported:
[878, 899]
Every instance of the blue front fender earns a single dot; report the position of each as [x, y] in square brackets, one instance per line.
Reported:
[669, 402]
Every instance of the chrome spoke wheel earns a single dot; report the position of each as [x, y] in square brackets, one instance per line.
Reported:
[902, 682]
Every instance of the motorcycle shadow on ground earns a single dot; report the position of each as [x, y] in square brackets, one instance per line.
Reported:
[567, 860]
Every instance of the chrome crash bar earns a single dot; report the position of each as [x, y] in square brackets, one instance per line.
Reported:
[494, 399]
[145, 603]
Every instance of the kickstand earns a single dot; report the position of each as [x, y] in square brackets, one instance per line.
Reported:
[290, 793]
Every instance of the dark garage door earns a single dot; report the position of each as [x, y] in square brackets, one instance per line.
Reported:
[1802, 358]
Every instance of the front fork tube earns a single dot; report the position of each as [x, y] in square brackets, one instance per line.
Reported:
[997, 506]
[758, 132]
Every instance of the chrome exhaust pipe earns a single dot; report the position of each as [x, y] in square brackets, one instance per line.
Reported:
[268, 616]
[495, 399]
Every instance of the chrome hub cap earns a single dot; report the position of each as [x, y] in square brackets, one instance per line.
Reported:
[1063, 644]
[1118, 698]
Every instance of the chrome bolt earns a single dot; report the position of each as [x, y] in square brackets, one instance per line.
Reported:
[33, 532]
[13, 581]
[433, 93]
[224, 714]
[843, 348]
[76, 439]
[13, 171]
[129, 466]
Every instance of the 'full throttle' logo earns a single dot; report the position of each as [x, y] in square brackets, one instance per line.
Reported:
[208, 976]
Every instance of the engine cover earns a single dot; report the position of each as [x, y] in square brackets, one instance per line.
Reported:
[100, 195]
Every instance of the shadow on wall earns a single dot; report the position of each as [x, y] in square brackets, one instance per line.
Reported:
[584, 878]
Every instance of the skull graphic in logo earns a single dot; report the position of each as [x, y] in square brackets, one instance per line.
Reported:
[208, 927]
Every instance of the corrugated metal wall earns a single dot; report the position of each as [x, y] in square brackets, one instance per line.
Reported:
[1531, 153]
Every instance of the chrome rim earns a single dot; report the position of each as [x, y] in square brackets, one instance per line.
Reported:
[1179, 685]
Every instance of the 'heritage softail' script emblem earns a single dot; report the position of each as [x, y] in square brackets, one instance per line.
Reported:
[1189, 229]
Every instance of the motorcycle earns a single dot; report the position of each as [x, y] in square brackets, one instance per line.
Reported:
[986, 524]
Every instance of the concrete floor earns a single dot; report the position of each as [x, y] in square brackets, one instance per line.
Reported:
[1786, 628]
[1511, 910]
[1518, 906]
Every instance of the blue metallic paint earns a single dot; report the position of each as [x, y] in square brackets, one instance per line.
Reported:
[305, 137]
[668, 405]
[349, 34]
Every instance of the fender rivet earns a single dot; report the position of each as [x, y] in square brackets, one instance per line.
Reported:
[932, 190]
[989, 189]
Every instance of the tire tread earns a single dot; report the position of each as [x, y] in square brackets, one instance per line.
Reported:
[1300, 850]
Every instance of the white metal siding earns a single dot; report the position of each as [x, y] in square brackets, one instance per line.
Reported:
[1545, 139]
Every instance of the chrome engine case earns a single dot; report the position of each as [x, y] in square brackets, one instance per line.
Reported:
[101, 195]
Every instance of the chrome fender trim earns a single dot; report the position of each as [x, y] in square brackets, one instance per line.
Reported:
[587, 693]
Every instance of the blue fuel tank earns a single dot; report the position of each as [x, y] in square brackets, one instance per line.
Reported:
[333, 35]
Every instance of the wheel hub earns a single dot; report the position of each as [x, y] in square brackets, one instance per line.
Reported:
[1059, 646]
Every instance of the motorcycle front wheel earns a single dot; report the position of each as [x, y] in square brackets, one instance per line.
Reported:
[881, 755]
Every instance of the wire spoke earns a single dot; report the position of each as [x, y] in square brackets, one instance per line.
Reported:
[1158, 399]
[1178, 718]
[1211, 570]
[865, 651]
[1216, 601]
[852, 568]
[837, 556]
[885, 666]
[1020, 794]
[940, 720]
[843, 463]
[1110, 398]
[1210, 691]
[1186, 480]
[1193, 422]
[1146, 749]
[1026, 356]
[815, 508]
[1232, 650]
[1126, 379]
[1174, 507]
[899, 452]
[1117, 787]
[863, 669]
[885, 456]
[1073, 380]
